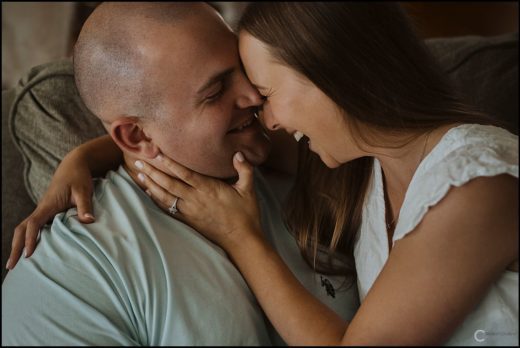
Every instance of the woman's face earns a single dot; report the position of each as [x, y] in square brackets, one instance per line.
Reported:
[295, 104]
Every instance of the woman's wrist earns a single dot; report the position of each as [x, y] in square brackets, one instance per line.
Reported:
[250, 245]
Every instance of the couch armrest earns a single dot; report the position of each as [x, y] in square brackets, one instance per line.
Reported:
[16, 203]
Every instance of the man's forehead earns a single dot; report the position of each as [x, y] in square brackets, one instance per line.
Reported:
[188, 62]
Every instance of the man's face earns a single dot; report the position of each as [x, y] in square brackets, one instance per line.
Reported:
[207, 111]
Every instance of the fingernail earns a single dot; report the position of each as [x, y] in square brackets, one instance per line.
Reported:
[148, 192]
[140, 176]
[239, 157]
[89, 216]
[139, 164]
[25, 253]
[8, 264]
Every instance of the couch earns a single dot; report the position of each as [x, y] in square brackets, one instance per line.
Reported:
[43, 116]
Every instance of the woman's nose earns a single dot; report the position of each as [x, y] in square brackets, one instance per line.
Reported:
[267, 119]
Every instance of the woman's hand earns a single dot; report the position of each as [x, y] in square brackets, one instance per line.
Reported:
[226, 214]
[71, 186]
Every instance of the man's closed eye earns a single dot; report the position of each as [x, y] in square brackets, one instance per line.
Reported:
[213, 98]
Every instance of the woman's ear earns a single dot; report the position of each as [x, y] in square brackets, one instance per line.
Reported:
[129, 135]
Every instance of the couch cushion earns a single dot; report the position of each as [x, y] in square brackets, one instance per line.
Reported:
[485, 69]
[16, 202]
[47, 120]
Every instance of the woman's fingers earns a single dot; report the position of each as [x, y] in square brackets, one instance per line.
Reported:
[165, 203]
[171, 185]
[82, 197]
[31, 236]
[187, 175]
[25, 236]
[245, 173]
[26, 233]
[17, 245]
[30, 229]
[161, 197]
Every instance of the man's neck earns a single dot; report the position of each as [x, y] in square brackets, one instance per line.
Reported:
[129, 165]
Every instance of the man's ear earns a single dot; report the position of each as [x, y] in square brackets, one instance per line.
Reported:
[129, 135]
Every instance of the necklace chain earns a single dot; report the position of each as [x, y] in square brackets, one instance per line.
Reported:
[391, 223]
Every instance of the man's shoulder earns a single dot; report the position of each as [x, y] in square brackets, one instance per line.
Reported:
[129, 233]
[114, 203]
[86, 276]
[116, 239]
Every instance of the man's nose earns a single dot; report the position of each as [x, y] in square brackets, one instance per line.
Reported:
[249, 99]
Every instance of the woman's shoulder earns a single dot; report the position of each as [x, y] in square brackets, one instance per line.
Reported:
[465, 153]
[472, 141]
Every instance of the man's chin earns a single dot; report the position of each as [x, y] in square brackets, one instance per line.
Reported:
[254, 155]
[258, 154]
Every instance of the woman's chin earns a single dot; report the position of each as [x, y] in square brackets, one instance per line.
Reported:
[329, 161]
[332, 165]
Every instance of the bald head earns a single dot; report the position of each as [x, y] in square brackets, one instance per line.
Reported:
[113, 55]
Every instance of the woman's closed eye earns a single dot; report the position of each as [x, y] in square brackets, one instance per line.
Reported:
[266, 96]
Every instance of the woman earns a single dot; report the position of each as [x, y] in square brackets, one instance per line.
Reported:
[419, 197]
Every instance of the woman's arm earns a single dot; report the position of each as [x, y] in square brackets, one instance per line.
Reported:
[100, 154]
[299, 317]
[436, 275]
[70, 186]
[433, 278]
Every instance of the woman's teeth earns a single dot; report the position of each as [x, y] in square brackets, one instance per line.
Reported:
[298, 135]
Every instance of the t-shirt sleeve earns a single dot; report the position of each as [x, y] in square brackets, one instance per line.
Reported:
[49, 301]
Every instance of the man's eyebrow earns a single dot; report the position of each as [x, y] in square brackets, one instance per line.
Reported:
[215, 78]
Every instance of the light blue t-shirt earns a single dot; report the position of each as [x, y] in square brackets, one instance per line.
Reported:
[136, 276]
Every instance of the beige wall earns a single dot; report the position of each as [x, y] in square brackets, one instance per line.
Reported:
[38, 32]
[33, 33]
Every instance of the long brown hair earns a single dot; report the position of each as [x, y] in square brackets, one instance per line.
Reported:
[366, 57]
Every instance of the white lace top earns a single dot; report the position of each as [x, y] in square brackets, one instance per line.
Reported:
[465, 152]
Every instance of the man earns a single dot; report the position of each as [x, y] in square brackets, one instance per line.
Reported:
[162, 77]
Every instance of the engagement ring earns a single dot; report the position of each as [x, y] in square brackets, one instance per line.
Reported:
[173, 209]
